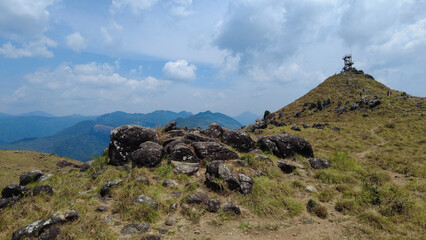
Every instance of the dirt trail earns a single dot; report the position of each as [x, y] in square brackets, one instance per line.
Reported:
[373, 148]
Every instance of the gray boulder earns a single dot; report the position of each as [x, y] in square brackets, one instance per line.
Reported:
[285, 145]
[319, 163]
[214, 130]
[107, 187]
[246, 184]
[170, 126]
[149, 154]
[182, 152]
[286, 167]
[50, 234]
[231, 207]
[43, 189]
[186, 168]
[126, 139]
[197, 198]
[30, 230]
[213, 150]
[213, 205]
[238, 139]
[29, 177]
[15, 190]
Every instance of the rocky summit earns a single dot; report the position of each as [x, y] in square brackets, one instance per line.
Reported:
[344, 161]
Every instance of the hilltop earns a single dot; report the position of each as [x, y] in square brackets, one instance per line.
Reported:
[320, 173]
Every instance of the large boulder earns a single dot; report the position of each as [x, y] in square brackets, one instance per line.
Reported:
[238, 139]
[126, 139]
[285, 145]
[231, 207]
[218, 170]
[182, 152]
[214, 130]
[246, 183]
[30, 230]
[213, 205]
[149, 154]
[213, 150]
[29, 177]
[197, 198]
[373, 103]
[15, 190]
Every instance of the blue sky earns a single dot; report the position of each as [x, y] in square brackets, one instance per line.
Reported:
[92, 57]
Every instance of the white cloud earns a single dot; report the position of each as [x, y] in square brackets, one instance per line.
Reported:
[134, 5]
[180, 8]
[37, 48]
[179, 71]
[76, 42]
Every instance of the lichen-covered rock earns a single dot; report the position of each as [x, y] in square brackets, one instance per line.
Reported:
[126, 139]
[186, 168]
[216, 169]
[107, 187]
[29, 177]
[169, 183]
[238, 139]
[213, 150]
[15, 190]
[285, 145]
[182, 152]
[148, 154]
[30, 230]
[319, 163]
[196, 137]
[214, 130]
[6, 202]
[45, 189]
[50, 234]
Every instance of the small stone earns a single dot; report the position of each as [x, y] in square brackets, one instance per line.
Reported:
[71, 215]
[151, 237]
[231, 207]
[335, 128]
[173, 206]
[197, 232]
[296, 128]
[169, 183]
[50, 234]
[171, 221]
[134, 229]
[319, 163]
[84, 167]
[197, 198]
[45, 177]
[163, 230]
[101, 209]
[286, 167]
[107, 187]
[311, 189]
[143, 180]
[146, 200]
[213, 205]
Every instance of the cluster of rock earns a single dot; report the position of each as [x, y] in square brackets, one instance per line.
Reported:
[46, 229]
[13, 192]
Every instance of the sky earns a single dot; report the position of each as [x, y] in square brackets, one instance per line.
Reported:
[93, 57]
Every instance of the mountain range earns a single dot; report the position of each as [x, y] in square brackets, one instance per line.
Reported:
[81, 138]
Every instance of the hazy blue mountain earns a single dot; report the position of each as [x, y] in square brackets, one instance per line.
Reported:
[5, 115]
[14, 128]
[246, 118]
[204, 119]
[80, 142]
[36, 114]
[87, 138]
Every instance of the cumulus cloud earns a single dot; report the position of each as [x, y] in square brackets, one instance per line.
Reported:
[179, 71]
[24, 23]
[76, 42]
[180, 8]
[85, 88]
[134, 5]
[37, 48]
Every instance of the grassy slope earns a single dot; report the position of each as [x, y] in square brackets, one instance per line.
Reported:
[375, 188]
[14, 163]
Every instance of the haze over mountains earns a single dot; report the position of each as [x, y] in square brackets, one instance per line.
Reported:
[81, 137]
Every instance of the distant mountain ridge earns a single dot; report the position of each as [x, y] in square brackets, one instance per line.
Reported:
[89, 138]
[246, 118]
[204, 119]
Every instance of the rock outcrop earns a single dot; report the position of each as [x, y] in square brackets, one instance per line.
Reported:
[285, 145]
